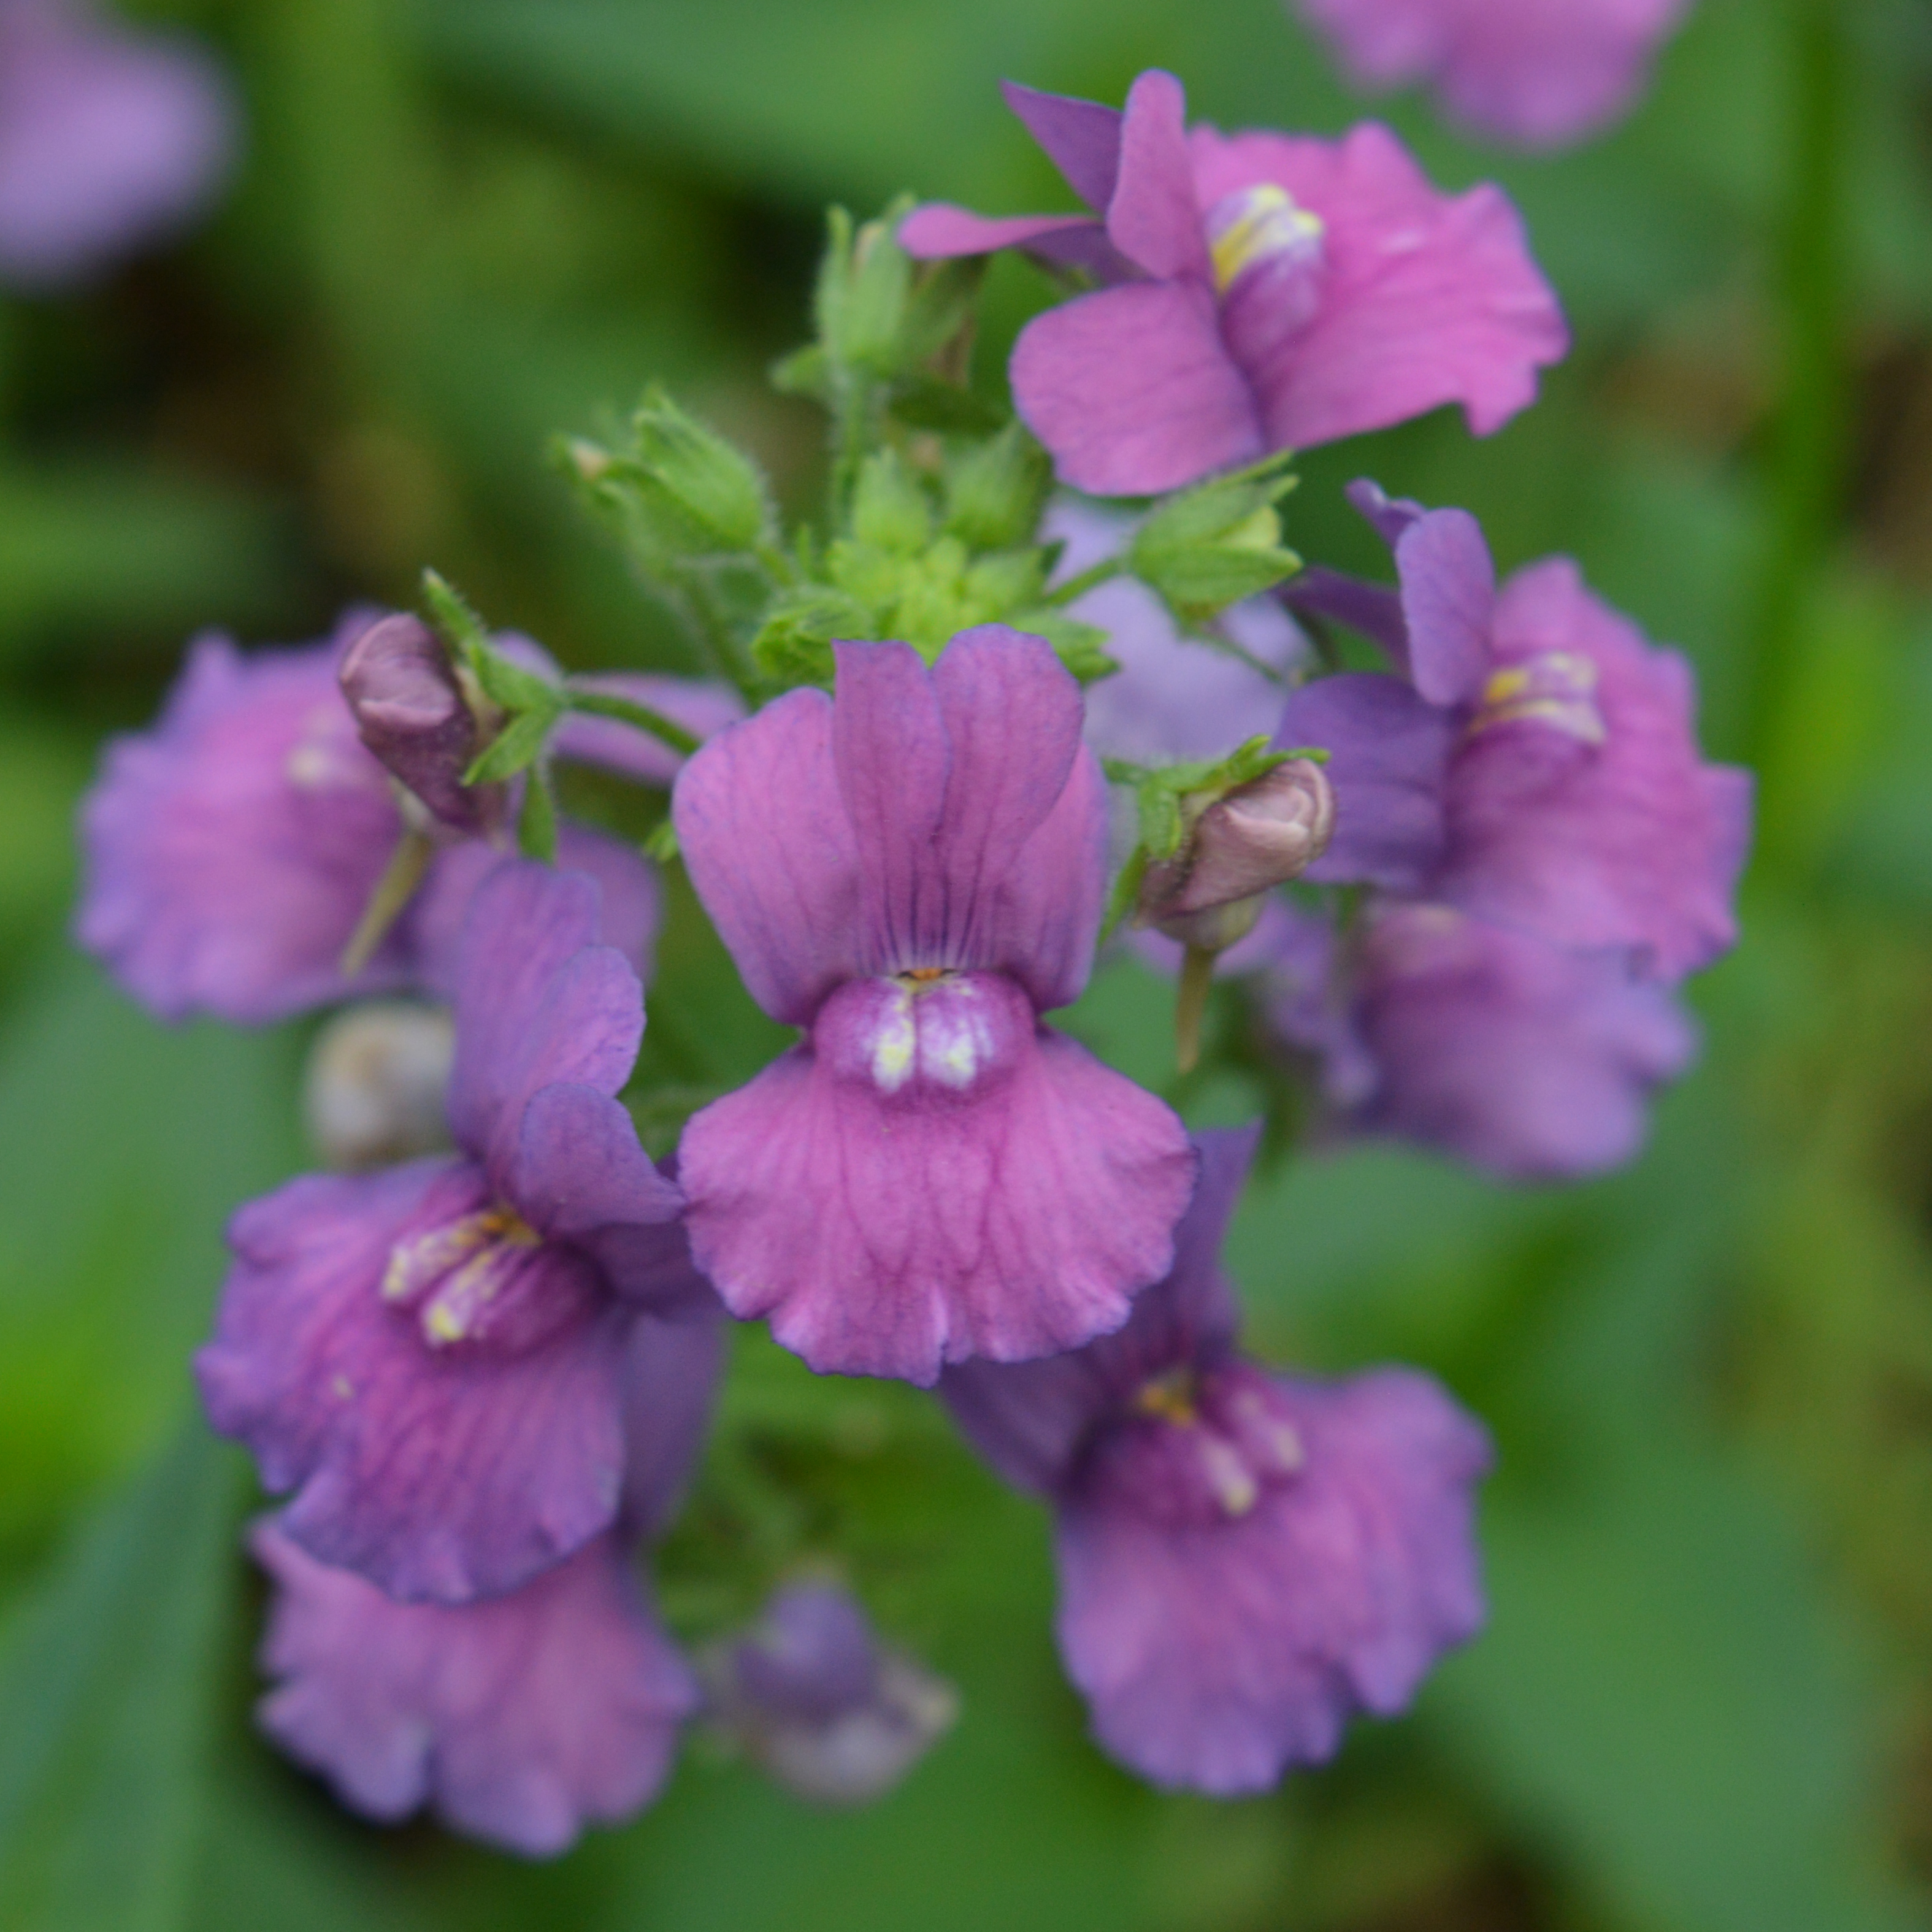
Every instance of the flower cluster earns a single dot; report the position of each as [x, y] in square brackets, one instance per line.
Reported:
[946, 747]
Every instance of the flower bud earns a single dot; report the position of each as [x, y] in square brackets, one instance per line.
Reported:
[411, 712]
[1260, 835]
[995, 492]
[374, 1092]
[703, 495]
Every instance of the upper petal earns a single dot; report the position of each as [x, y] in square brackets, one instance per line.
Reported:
[439, 1473]
[884, 1238]
[1426, 298]
[538, 1002]
[577, 1167]
[672, 1367]
[1133, 390]
[1152, 217]
[763, 829]
[519, 1719]
[1448, 603]
[1081, 138]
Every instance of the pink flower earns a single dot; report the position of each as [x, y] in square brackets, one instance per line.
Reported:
[1538, 73]
[1263, 291]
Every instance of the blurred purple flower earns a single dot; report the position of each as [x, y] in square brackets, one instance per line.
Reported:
[1536, 73]
[430, 1356]
[1174, 697]
[232, 848]
[1537, 765]
[519, 1718]
[1263, 293]
[1529, 1060]
[830, 1713]
[912, 872]
[1246, 1559]
[110, 138]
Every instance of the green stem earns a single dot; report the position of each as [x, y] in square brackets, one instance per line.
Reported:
[394, 890]
[605, 704]
[1808, 450]
[1107, 569]
[1197, 979]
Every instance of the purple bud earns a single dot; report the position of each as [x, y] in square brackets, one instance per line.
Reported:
[827, 1711]
[1261, 835]
[411, 713]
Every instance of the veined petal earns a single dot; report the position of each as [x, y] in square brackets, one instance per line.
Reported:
[1081, 138]
[1152, 217]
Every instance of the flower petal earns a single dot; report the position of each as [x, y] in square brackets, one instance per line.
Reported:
[1388, 752]
[519, 1719]
[1426, 298]
[1152, 217]
[672, 1366]
[1214, 1657]
[886, 1239]
[763, 830]
[1448, 604]
[578, 1167]
[438, 1473]
[1133, 390]
[1081, 138]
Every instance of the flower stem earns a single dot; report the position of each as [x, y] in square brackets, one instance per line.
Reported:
[1197, 978]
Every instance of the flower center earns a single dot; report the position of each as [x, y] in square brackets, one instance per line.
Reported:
[465, 1278]
[1558, 688]
[926, 1030]
[1264, 224]
[1197, 1447]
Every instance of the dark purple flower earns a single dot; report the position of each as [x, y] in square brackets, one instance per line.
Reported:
[1537, 765]
[1264, 292]
[1530, 1060]
[912, 873]
[519, 1718]
[829, 1712]
[1538, 73]
[1246, 1559]
[232, 849]
[430, 1357]
[109, 140]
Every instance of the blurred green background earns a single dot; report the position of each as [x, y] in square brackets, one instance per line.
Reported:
[1705, 1702]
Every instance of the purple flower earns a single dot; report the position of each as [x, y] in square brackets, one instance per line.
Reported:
[1528, 1060]
[1537, 766]
[1538, 73]
[830, 1713]
[520, 1718]
[1263, 293]
[1246, 1559]
[109, 140]
[231, 849]
[430, 1357]
[1174, 697]
[912, 873]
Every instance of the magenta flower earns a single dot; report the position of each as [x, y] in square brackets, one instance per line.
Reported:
[232, 848]
[1529, 1060]
[430, 1357]
[912, 872]
[1246, 1559]
[1537, 766]
[829, 1712]
[1538, 73]
[1263, 291]
[519, 1718]
[109, 140]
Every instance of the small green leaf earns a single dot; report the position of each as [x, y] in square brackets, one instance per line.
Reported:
[536, 823]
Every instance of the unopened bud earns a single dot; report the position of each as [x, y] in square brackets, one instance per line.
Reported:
[411, 712]
[1259, 836]
[377, 1076]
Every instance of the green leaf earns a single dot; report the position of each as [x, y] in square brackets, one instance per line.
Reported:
[106, 1689]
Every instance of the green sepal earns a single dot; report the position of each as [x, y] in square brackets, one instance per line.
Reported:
[793, 645]
[1213, 545]
[1081, 648]
[922, 400]
[1126, 893]
[501, 693]
[890, 509]
[536, 823]
[996, 490]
